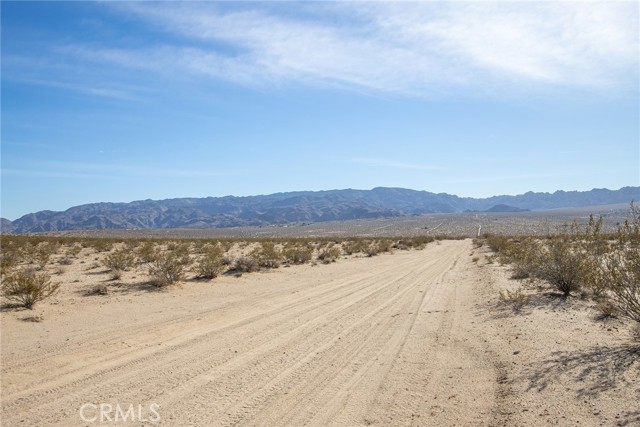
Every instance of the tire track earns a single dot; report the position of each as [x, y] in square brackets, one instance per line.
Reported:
[326, 346]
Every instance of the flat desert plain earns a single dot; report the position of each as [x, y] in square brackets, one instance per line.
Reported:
[414, 338]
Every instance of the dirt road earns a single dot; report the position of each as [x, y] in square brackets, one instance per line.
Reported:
[393, 340]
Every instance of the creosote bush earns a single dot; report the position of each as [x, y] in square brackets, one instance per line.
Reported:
[246, 264]
[267, 255]
[28, 287]
[620, 268]
[298, 254]
[211, 264]
[120, 260]
[579, 258]
[168, 268]
[146, 252]
[329, 255]
[561, 264]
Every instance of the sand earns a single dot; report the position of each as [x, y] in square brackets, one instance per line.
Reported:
[407, 339]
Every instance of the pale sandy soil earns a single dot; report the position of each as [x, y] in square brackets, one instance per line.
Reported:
[409, 339]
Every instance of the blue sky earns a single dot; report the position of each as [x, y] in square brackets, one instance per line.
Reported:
[122, 101]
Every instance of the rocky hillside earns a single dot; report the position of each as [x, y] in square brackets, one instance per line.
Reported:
[296, 207]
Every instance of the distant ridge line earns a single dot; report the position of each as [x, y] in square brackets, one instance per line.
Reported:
[297, 207]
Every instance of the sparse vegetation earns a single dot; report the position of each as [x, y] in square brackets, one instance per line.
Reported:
[581, 258]
[515, 299]
[211, 264]
[168, 268]
[329, 255]
[298, 254]
[619, 269]
[170, 260]
[119, 260]
[267, 255]
[246, 264]
[27, 287]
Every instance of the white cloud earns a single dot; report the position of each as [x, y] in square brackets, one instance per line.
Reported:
[406, 48]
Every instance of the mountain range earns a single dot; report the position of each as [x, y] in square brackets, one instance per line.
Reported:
[297, 207]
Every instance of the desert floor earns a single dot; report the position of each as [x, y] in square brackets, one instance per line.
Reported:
[413, 338]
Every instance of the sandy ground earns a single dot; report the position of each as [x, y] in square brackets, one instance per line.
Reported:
[409, 339]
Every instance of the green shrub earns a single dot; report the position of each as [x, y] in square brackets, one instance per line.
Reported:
[120, 260]
[621, 267]
[168, 268]
[147, 252]
[561, 264]
[351, 247]
[267, 255]
[211, 264]
[298, 254]
[329, 255]
[28, 287]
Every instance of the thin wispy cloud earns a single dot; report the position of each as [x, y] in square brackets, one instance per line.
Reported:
[104, 91]
[405, 48]
[104, 171]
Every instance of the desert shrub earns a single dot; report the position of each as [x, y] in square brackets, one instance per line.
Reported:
[9, 259]
[351, 247]
[180, 249]
[621, 268]
[329, 255]
[524, 255]
[98, 290]
[146, 252]
[267, 255]
[372, 249]
[497, 243]
[73, 250]
[65, 260]
[515, 299]
[119, 260]
[246, 264]
[561, 264]
[28, 287]
[38, 254]
[168, 268]
[385, 245]
[298, 254]
[419, 242]
[596, 249]
[211, 263]
[101, 245]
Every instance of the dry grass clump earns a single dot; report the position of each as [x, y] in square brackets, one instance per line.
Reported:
[516, 300]
[27, 287]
